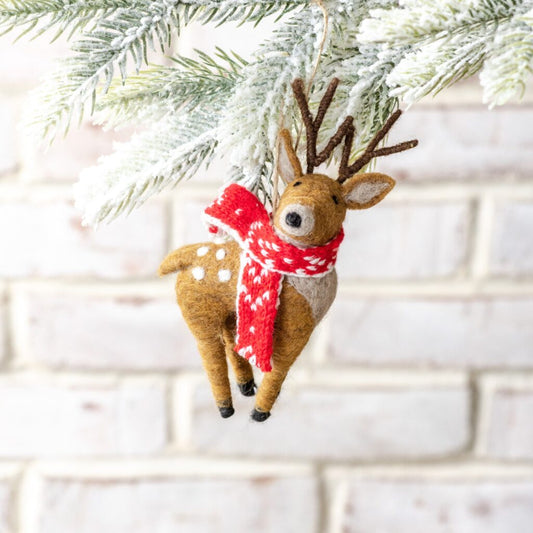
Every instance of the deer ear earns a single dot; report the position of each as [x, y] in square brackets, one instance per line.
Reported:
[365, 190]
[288, 163]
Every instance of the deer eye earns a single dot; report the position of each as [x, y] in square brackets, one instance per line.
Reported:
[335, 199]
[297, 183]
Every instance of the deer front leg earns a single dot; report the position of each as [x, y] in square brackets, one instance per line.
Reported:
[294, 325]
[241, 367]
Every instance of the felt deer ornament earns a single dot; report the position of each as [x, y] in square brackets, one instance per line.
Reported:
[256, 299]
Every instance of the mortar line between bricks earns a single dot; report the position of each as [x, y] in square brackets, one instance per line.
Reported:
[29, 500]
[411, 191]
[160, 288]
[183, 466]
[9, 330]
[481, 238]
[323, 512]
[329, 376]
[165, 467]
[474, 413]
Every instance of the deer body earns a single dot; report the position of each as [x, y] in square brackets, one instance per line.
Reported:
[309, 217]
[209, 309]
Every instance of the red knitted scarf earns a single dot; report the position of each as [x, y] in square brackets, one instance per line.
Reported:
[265, 260]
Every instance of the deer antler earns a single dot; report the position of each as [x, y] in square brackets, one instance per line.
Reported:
[346, 171]
[312, 125]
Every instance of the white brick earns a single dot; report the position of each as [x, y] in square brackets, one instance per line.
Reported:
[405, 241]
[506, 431]
[45, 238]
[195, 504]
[458, 143]
[441, 331]
[457, 505]
[56, 419]
[332, 424]
[68, 329]
[512, 249]
[188, 224]
[67, 156]
[26, 61]
[8, 148]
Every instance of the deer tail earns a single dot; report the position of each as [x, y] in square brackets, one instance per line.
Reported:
[177, 260]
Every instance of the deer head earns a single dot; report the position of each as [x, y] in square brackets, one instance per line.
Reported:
[313, 206]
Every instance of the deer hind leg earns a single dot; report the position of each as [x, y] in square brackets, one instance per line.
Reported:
[241, 367]
[215, 364]
[205, 314]
[294, 325]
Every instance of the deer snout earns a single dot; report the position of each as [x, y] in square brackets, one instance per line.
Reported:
[297, 220]
[293, 219]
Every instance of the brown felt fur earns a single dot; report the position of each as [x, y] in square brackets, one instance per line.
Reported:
[208, 303]
[206, 285]
[316, 191]
[208, 308]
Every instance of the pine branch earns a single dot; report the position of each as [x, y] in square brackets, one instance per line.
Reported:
[510, 63]
[419, 21]
[150, 162]
[128, 34]
[248, 131]
[451, 41]
[39, 16]
[159, 90]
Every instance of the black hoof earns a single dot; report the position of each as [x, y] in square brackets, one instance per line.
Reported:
[226, 412]
[248, 388]
[259, 416]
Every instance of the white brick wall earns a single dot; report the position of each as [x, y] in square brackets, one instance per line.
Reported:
[512, 249]
[409, 411]
[92, 329]
[199, 504]
[370, 422]
[445, 331]
[43, 237]
[415, 503]
[42, 417]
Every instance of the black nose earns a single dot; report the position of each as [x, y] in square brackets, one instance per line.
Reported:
[293, 219]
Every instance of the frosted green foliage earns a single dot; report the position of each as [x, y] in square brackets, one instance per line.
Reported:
[452, 39]
[150, 162]
[38, 16]
[159, 90]
[126, 34]
[248, 132]
[383, 51]
[509, 64]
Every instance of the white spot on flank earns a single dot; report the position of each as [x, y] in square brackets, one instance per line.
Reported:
[224, 275]
[221, 253]
[202, 251]
[198, 273]
[252, 329]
